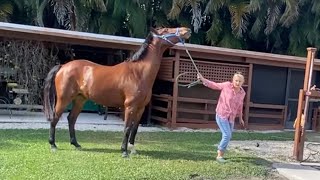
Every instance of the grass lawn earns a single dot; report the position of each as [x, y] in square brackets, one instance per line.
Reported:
[25, 154]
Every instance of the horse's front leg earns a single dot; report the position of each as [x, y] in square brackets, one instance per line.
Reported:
[129, 113]
[134, 131]
[132, 137]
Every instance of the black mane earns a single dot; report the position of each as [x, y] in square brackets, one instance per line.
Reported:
[141, 53]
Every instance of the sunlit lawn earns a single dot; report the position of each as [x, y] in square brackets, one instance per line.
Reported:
[25, 154]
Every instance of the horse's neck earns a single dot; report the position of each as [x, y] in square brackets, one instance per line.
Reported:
[152, 62]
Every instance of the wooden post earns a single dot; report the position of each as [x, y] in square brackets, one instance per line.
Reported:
[299, 137]
[175, 90]
[248, 94]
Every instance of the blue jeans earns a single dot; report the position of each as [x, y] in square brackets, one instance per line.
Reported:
[226, 129]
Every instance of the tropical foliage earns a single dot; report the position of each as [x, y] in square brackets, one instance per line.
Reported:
[277, 26]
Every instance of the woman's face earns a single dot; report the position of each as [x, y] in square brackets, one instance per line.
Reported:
[237, 81]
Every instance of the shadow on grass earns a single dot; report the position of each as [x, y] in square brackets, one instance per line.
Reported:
[164, 155]
[251, 160]
[185, 155]
[101, 150]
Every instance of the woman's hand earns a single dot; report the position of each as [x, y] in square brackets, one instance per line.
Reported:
[199, 76]
[241, 122]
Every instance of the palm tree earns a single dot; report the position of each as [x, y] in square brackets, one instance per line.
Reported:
[6, 9]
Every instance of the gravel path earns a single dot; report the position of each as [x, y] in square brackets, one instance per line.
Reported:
[277, 151]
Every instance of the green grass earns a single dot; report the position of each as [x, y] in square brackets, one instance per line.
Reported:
[25, 154]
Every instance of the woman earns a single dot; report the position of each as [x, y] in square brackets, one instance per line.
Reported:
[230, 105]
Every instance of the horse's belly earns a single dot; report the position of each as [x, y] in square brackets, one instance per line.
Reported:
[108, 98]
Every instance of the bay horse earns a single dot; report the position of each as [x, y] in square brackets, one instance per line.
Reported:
[127, 85]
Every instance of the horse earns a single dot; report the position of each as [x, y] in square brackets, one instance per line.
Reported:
[127, 85]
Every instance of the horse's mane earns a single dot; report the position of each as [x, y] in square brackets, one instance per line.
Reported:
[141, 53]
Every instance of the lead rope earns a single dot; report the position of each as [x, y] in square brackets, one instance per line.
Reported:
[194, 65]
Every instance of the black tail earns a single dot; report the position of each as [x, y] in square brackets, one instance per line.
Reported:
[50, 93]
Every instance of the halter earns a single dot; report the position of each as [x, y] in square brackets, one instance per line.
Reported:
[177, 34]
[166, 36]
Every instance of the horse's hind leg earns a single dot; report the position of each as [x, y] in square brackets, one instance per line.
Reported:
[72, 118]
[59, 108]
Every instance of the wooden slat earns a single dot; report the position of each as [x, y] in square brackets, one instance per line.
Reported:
[215, 63]
[161, 108]
[271, 116]
[267, 106]
[211, 125]
[196, 100]
[196, 111]
[197, 121]
[264, 126]
[22, 106]
[161, 119]
[166, 96]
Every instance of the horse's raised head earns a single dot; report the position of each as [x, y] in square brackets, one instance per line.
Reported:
[172, 36]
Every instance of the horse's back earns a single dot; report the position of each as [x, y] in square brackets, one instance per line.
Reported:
[97, 82]
[81, 63]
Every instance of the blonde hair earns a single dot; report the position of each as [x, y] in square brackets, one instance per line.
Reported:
[239, 74]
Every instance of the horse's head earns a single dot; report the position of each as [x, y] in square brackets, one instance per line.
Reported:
[172, 36]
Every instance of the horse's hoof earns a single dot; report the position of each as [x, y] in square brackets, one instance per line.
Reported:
[125, 155]
[133, 151]
[76, 145]
[54, 148]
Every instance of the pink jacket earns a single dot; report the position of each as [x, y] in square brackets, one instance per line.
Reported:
[230, 103]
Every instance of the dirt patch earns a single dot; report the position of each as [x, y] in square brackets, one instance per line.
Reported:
[277, 151]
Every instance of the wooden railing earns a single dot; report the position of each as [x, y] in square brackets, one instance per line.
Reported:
[267, 112]
[26, 107]
[204, 112]
[166, 109]
[316, 119]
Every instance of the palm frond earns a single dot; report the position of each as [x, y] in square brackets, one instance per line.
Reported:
[137, 20]
[214, 31]
[160, 19]
[196, 15]
[277, 42]
[64, 10]
[239, 18]
[100, 5]
[257, 27]
[177, 6]
[197, 38]
[315, 6]
[229, 41]
[82, 15]
[273, 14]
[214, 6]
[97, 5]
[255, 5]
[296, 42]
[109, 25]
[40, 12]
[119, 8]
[291, 12]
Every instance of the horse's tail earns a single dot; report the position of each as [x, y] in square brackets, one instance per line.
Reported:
[50, 93]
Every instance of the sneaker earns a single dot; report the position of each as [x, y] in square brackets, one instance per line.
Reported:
[221, 160]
